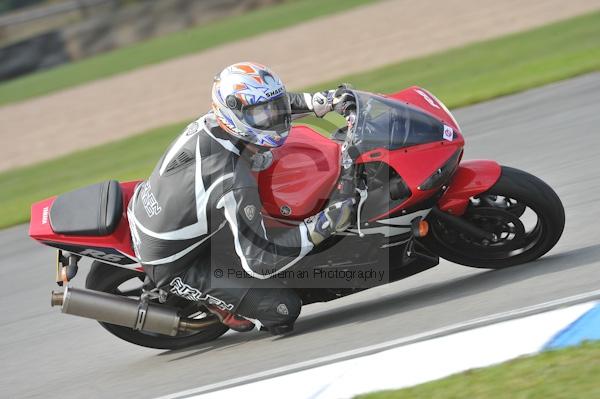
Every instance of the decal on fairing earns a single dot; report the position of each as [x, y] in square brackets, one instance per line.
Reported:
[106, 255]
[94, 253]
[45, 215]
[285, 210]
[427, 98]
[393, 226]
[448, 133]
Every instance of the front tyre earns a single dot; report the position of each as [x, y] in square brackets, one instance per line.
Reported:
[521, 210]
[119, 281]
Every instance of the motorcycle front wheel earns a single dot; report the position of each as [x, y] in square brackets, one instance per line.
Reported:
[119, 281]
[524, 213]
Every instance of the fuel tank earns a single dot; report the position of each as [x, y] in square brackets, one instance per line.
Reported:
[302, 176]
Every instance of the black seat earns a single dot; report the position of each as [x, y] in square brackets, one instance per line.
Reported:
[89, 211]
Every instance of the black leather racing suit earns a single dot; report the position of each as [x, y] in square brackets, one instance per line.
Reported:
[201, 205]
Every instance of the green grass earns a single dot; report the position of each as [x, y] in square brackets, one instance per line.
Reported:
[567, 373]
[461, 76]
[170, 46]
[129, 159]
[494, 68]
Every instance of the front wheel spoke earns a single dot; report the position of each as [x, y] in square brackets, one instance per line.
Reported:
[490, 200]
[517, 209]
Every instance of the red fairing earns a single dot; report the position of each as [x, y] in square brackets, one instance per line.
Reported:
[415, 164]
[472, 178]
[429, 103]
[302, 176]
[120, 240]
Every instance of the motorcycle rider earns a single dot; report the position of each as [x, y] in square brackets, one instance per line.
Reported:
[201, 202]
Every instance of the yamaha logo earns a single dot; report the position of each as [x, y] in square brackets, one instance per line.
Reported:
[45, 215]
[285, 210]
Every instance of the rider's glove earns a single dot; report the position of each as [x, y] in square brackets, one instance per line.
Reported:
[336, 217]
[344, 102]
[340, 100]
[322, 102]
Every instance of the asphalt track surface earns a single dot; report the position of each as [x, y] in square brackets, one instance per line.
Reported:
[552, 132]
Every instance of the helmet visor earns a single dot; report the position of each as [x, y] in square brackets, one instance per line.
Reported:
[273, 115]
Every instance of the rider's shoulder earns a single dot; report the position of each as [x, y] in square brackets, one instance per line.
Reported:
[195, 127]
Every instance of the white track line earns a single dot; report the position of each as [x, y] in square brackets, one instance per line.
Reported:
[495, 318]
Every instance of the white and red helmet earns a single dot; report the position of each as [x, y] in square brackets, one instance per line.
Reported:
[250, 102]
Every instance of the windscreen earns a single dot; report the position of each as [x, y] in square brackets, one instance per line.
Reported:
[391, 124]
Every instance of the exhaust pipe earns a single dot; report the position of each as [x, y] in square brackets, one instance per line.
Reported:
[126, 312]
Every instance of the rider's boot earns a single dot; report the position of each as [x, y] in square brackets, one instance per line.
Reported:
[231, 320]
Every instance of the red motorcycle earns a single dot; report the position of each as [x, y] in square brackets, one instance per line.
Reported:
[417, 201]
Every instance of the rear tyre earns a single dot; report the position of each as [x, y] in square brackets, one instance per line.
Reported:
[125, 282]
[521, 210]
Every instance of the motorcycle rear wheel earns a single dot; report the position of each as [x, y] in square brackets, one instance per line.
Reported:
[112, 279]
[505, 210]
